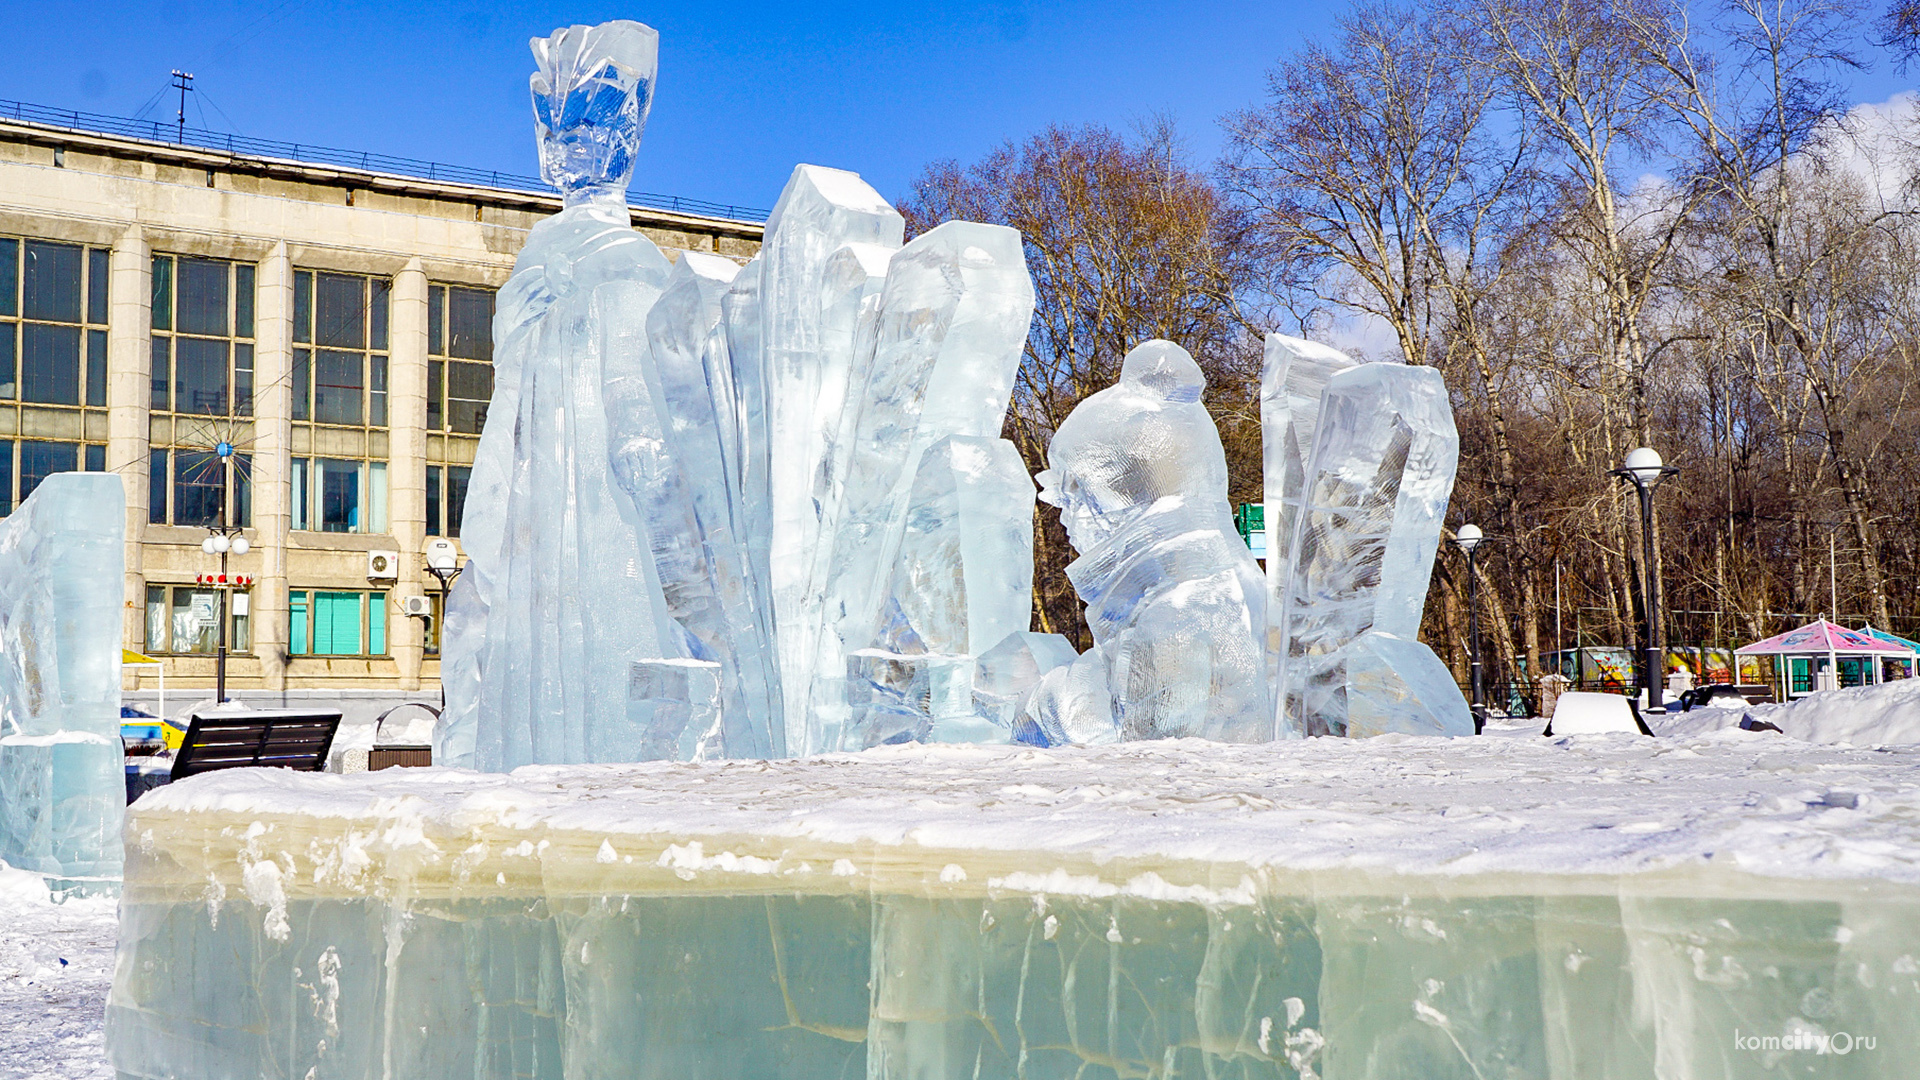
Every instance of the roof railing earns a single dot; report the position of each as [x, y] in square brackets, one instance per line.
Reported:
[241, 146]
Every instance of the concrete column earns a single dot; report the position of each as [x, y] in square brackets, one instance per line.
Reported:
[272, 433]
[129, 390]
[407, 462]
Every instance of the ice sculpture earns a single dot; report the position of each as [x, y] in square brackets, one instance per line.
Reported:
[1292, 379]
[1005, 676]
[1165, 910]
[725, 611]
[1361, 531]
[938, 359]
[962, 582]
[1173, 596]
[62, 787]
[806, 361]
[558, 601]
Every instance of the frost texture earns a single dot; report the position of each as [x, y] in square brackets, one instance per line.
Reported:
[1361, 530]
[62, 788]
[1174, 598]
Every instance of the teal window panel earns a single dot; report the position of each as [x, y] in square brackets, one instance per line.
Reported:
[297, 618]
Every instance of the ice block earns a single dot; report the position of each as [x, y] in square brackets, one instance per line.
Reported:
[62, 781]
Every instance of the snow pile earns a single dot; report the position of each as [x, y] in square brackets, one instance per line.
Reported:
[56, 965]
[1887, 714]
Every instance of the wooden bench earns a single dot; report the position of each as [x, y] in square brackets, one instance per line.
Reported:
[296, 739]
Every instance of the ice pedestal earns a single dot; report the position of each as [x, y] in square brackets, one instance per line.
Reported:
[1172, 909]
[62, 782]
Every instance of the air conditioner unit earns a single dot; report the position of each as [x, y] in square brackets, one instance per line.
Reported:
[419, 607]
[383, 565]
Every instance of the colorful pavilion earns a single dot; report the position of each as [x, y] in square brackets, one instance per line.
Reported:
[1825, 656]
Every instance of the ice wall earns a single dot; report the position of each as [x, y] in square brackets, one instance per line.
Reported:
[1173, 596]
[1172, 909]
[1293, 377]
[1361, 532]
[806, 356]
[62, 787]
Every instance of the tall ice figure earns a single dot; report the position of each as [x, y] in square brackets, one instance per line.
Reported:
[561, 597]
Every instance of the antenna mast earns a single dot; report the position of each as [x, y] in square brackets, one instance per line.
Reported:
[182, 81]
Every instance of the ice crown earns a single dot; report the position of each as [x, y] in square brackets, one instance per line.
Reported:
[592, 90]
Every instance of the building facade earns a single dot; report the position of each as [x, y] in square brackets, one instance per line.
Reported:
[332, 326]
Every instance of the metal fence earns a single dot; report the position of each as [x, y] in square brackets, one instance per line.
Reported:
[173, 134]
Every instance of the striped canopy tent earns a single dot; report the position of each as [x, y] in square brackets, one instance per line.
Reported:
[1823, 655]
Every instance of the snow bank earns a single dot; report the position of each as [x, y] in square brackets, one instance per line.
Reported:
[1887, 714]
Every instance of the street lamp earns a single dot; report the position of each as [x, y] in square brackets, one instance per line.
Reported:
[223, 540]
[1645, 470]
[443, 562]
[1466, 538]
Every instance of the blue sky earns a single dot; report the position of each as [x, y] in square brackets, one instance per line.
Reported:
[746, 90]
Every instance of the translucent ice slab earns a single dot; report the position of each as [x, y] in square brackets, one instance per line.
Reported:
[62, 786]
[1580, 908]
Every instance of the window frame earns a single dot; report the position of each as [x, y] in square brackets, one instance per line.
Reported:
[86, 456]
[375, 625]
[445, 358]
[239, 313]
[91, 298]
[239, 626]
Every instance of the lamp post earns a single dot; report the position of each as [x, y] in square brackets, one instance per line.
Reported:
[1645, 470]
[1466, 538]
[223, 539]
[443, 562]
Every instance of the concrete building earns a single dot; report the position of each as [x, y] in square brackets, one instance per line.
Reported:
[330, 323]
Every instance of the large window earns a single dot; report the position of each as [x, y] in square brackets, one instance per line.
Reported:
[53, 320]
[460, 358]
[202, 336]
[186, 619]
[188, 487]
[342, 495]
[24, 463]
[323, 623]
[446, 498]
[340, 351]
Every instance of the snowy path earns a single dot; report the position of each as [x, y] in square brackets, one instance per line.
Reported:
[56, 965]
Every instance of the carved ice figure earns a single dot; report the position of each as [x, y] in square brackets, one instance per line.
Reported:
[560, 598]
[961, 583]
[805, 363]
[1173, 596]
[939, 358]
[703, 563]
[62, 787]
[1292, 379]
[1361, 531]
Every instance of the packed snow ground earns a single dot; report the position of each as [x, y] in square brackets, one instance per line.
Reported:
[56, 965]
